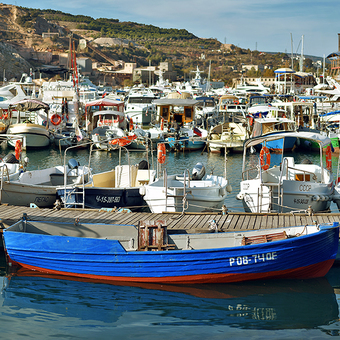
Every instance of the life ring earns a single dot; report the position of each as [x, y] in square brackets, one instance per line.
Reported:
[265, 152]
[162, 124]
[55, 119]
[17, 149]
[329, 157]
[236, 102]
[161, 153]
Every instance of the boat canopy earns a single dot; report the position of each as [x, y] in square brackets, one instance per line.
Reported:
[333, 55]
[104, 102]
[322, 140]
[108, 112]
[284, 70]
[330, 113]
[30, 105]
[175, 102]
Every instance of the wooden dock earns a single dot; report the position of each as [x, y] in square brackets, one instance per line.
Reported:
[192, 222]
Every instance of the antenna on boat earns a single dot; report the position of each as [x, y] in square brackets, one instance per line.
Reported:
[292, 54]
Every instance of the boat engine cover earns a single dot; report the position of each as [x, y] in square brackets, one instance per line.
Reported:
[73, 164]
[198, 171]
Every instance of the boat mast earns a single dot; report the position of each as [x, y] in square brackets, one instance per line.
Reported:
[292, 55]
[301, 58]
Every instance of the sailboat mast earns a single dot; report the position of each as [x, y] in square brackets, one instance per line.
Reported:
[301, 58]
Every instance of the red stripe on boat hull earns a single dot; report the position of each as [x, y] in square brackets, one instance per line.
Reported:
[312, 271]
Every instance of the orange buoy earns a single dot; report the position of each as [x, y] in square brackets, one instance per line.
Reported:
[161, 153]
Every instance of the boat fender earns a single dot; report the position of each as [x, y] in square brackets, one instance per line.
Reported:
[17, 149]
[161, 153]
[229, 188]
[142, 190]
[223, 191]
[240, 196]
[328, 157]
[265, 152]
[316, 198]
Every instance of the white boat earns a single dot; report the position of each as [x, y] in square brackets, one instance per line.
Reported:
[227, 137]
[182, 193]
[108, 125]
[31, 115]
[114, 109]
[336, 195]
[139, 106]
[257, 87]
[39, 187]
[280, 183]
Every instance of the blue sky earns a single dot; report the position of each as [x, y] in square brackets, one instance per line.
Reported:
[263, 24]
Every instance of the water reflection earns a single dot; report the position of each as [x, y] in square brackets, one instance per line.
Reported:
[281, 304]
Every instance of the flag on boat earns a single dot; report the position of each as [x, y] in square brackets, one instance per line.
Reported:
[179, 92]
[197, 131]
[104, 94]
[78, 134]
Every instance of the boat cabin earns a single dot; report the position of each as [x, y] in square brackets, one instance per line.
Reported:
[180, 110]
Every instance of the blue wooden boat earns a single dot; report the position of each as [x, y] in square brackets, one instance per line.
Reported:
[151, 253]
[185, 143]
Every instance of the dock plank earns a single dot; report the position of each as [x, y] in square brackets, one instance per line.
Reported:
[232, 221]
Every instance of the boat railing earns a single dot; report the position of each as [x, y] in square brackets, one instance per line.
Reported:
[246, 173]
[285, 170]
[185, 180]
[66, 194]
[4, 171]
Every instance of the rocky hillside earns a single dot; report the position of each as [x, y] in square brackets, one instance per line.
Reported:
[21, 30]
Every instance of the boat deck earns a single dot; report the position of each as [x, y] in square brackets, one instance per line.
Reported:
[195, 222]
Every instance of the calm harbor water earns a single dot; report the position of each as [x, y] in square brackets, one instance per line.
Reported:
[35, 306]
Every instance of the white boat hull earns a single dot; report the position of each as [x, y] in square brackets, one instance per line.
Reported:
[39, 186]
[296, 196]
[36, 136]
[201, 195]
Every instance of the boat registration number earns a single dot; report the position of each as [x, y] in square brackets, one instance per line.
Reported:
[301, 200]
[41, 199]
[107, 199]
[252, 259]
[305, 187]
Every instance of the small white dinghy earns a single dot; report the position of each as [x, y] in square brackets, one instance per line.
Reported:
[182, 193]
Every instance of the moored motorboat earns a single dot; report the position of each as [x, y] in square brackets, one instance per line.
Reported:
[114, 189]
[149, 252]
[282, 182]
[39, 187]
[182, 192]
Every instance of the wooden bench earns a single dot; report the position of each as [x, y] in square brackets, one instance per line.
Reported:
[264, 238]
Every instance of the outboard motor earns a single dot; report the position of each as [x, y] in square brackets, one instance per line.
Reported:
[198, 171]
[143, 165]
[10, 158]
[73, 164]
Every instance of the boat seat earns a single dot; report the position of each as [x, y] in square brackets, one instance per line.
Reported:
[144, 176]
[104, 179]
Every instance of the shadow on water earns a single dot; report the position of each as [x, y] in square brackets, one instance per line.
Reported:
[268, 305]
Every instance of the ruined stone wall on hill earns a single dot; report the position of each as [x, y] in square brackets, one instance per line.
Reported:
[12, 64]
